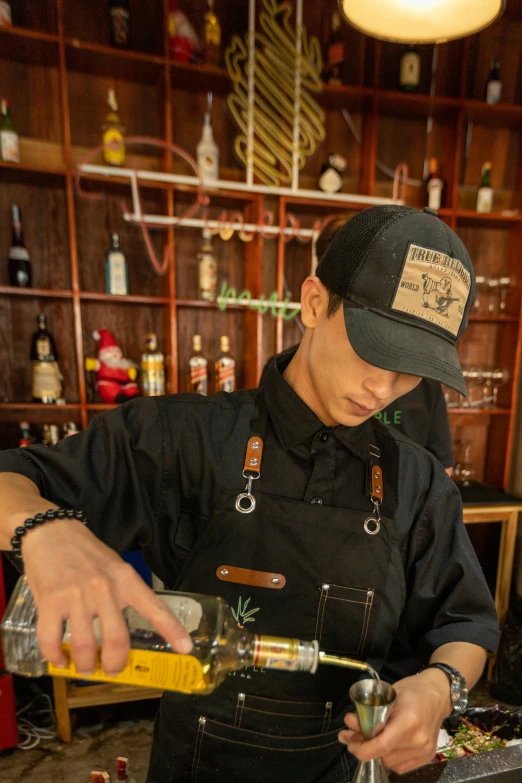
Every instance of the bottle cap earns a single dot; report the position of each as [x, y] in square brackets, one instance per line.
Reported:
[225, 343]
[111, 99]
[486, 166]
[24, 425]
[151, 341]
[116, 239]
[196, 342]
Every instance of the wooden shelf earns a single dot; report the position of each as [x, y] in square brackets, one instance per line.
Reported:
[208, 305]
[101, 60]
[9, 290]
[93, 296]
[37, 157]
[199, 78]
[471, 215]
[26, 32]
[416, 105]
[100, 406]
[495, 319]
[38, 406]
[507, 114]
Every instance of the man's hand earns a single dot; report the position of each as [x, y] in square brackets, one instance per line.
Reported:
[74, 576]
[409, 738]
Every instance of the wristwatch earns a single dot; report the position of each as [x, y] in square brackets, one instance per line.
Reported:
[458, 686]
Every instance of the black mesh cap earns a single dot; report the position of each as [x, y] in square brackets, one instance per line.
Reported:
[408, 284]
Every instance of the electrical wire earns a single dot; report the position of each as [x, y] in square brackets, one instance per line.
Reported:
[31, 733]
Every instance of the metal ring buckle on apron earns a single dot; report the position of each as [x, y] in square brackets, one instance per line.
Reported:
[372, 524]
[245, 501]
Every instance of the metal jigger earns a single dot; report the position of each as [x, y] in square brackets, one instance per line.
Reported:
[372, 703]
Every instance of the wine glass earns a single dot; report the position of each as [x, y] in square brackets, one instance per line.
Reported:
[481, 284]
[504, 284]
[487, 388]
[500, 376]
[451, 397]
[494, 296]
[463, 472]
[473, 378]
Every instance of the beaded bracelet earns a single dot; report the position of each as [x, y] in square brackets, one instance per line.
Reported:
[39, 519]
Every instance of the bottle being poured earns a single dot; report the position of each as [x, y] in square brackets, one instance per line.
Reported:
[220, 647]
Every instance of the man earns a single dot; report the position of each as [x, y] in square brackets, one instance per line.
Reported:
[364, 527]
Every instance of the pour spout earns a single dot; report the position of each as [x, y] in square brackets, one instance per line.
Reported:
[347, 663]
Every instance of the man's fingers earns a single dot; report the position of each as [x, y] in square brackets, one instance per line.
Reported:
[394, 734]
[147, 603]
[115, 637]
[83, 645]
[352, 721]
[49, 632]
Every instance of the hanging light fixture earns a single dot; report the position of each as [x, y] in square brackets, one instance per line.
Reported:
[421, 21]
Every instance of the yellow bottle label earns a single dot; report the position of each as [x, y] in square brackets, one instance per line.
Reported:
[114, 147]
[147, 668]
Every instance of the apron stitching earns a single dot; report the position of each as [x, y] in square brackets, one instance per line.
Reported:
[327, 717]
[344, 764]
[260, 733]
[281, 701]
[322, 606]
[345, 587]
[269, 747]
[284, 714]
[348, 600]
[367, 620]
[241, 713]
[197, 751]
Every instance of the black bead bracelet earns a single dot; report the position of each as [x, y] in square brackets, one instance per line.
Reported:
[39, 519]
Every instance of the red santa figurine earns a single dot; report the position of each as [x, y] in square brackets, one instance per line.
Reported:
[115, 376]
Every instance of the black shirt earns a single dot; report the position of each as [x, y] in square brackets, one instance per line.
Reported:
[149, 473]
[422, 416]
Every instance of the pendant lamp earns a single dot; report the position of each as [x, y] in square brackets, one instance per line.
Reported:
[421, 21]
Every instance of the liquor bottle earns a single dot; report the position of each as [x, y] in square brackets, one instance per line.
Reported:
[198, 368]
[5, 14]
[225, 367]
[335, 52]
[97, 776]
[116, 272]
[122, 770]
[119, 13]
[152, 368]
[410, 69]
[19, 263]
[435, 186]
[212, 40]
[47, 378]
[50, 434]
[207, 269]
[494, 85]
[485, 191]
[25, 435]
[9, 139]
[113, 134]
[331, 177]
[69, 428]
[207, 151]
[221, 646]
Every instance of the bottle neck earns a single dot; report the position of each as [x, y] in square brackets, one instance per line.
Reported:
[277, 652]
[486, 179]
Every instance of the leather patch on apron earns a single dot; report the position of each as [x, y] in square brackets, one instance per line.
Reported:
[253, 457]
[377, 488]
[246, 576]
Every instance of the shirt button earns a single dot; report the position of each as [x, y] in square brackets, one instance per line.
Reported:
[317, 500]
[323, 437]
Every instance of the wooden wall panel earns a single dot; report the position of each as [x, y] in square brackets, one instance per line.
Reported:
[45, 237]
[90, 22]
[503, 38]
[35, 15]
[29, 88]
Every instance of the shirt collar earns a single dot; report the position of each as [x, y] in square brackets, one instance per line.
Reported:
[295, 422]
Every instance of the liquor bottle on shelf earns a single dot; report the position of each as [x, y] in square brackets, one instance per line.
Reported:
[331, 177]
[207, 151]
[25, 435]
[494, 85]
[113, 133]
[152, 368]
[225, 367]
[410, 69]
[198, 368]
[207, 269]
[183, 41]
[119, 13]
[19, 263]
[435, 186]
[116, 272]
[485, 191]
[122, 770]
[5, 14]
[9, 138]
[99, 776]
[47, 378]
[69, 428]
[212, 40]
[335, 52]
[50, 434]
[221, 646]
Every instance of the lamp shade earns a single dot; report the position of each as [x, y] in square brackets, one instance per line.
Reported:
[421, 21]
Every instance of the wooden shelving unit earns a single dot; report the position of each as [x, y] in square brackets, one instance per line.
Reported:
[57, 65]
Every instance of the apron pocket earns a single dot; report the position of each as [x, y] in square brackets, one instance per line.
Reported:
[224, 752]
[343, 619]
[282, 717]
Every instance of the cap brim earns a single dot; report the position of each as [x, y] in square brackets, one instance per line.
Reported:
[399, 347]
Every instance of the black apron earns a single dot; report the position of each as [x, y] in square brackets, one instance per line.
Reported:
[341, 585]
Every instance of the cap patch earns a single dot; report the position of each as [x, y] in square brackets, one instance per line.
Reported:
[434, 287]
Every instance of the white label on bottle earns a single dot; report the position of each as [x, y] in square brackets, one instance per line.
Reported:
[43, 346]
[410, 69]
[208, 161]
[10, 146]
[22, 278]
[18, 254]
[117, 274]
[5, 13]
[207, 276]
[434, 193]
[485, 200]
[494, 91]
[46, 380]
[330, 181]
